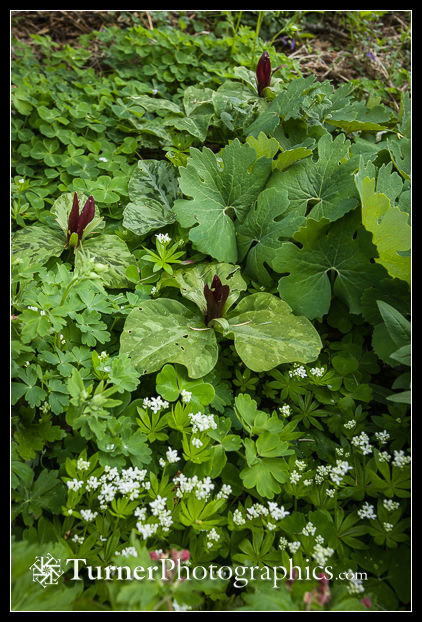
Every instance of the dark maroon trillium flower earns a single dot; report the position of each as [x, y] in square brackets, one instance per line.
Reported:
[264, 73]
[215, 299]
[78, 222]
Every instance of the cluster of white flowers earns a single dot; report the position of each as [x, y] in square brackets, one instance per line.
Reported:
[196, 442]
[317, 371]
[225, 492]
[300, 464]
[82, 465]
[285, 410]
[128, 482]
[339, 471]
[298, 370]
[163, 238]
[273, 510]
[201, 487]
[349, 425]
[382, 437]
[212, 536]
[362, 442]
[77, 539]
[277, 512]
[172, 456]
[74, 484]
[88, 515]
[186, 395]
[388, 526]
[294, 547]
[355, 585]
[367, 511]
[321, 472]
[309, 529]
[238, 518]
[201, 422]
[295, 477]
[390, 505]
[400, 459]
[158, 509]
[45, 407]
[155, 403]
[321, 553]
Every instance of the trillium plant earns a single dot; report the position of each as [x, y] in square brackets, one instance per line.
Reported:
[265, 331]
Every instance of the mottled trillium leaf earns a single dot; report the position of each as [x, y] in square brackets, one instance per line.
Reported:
[152, 190]
[112, 252]
[267, 334]
[164, 331]
[38, 243]
[221, 193]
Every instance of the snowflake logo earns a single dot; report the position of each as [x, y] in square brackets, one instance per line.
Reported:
[46, 570]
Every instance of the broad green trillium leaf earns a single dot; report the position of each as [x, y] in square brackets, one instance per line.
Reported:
[152, 191]
[164, 331]
[323, 189]
[261, 234]
[267, 334]
[221, 192]
[192, 280]
[345, 248]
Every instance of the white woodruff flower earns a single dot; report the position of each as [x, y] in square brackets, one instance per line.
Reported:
[201, 422]
[155, 403]
[285, 410]
[238, 518]
[317, 371]
[400, 460]
[390, 505]
[186, 395]
[367, 511]
[163, 238]
[74, 484]
[362, 442]
[299, 371]
[382, 437]
[171, 455]
[82, 465]
[88, 515]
